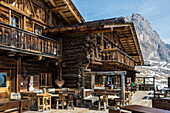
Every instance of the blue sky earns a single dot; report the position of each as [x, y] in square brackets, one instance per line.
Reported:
[157, 12]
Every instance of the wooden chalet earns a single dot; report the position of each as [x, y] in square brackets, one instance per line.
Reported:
[24, 50]
[98, 51]
[49, 40]
[97, 46]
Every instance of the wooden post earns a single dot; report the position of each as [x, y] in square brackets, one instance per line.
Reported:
[92, 81]
[82, 97]
[24, 23]
[82, 85]
[9, 17]
[60, 66]
[102, 41]
[82, 77]
[123, 88]
[18, 78]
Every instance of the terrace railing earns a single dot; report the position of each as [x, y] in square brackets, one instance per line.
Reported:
[115, 55]
[16, 38]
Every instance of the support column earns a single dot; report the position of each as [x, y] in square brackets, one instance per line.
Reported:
[123, 88]
[82, 86]
[82, 77]
[92, 81]
[18, 78]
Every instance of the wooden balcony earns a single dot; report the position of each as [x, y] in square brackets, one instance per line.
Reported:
[19, 40]
[116, 56]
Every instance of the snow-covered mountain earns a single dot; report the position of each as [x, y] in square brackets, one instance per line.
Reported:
[155, 52]
[159, 70]
[153, 48]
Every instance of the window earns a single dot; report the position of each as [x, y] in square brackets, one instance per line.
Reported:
[14, 21]
[38, 30]
[139, 80]
[45, 79]
[3, 79]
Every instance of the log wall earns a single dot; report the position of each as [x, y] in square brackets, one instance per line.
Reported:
[74, 55]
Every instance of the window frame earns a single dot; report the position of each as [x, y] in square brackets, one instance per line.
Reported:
[12, 23]
[48, 79]
[6, 80]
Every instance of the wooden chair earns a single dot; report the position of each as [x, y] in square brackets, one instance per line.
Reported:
[59, 102]
[118, 102]
[157, 92]
[101, 104]
[70, 101]
[44, 102]
[25, 103]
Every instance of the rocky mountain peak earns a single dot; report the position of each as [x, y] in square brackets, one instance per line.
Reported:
[153, 48]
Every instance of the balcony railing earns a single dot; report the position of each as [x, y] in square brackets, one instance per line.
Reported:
[22, 40]
[117, 56]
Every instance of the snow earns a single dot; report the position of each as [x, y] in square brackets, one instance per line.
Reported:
[159, 70]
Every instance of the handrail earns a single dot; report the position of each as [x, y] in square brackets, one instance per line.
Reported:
[28, 32]
[116, 55]
[117, 49]
[13, 37]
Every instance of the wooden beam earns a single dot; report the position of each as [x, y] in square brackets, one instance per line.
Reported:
[112, 26]
[53, 3]
[9, 17]
[13, 8]
[72, 11]
[66, 19]
[76, 32]
[18, 78]
[106, 73]
[59, 8]
[32, 8]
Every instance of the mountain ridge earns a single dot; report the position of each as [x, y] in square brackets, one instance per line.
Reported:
[152, 47]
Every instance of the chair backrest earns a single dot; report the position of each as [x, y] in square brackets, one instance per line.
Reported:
[70, 96]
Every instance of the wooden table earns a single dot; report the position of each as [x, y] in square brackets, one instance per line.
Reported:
[105, 95]
[46, 101]
[143, 109]
[63, 94]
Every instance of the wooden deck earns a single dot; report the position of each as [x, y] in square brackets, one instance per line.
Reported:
[143, 98]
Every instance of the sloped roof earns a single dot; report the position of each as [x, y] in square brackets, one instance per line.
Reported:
[65, 9]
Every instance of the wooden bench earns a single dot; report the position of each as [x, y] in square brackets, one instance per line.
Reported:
[161, 103]
[6, 104]
[13, 104]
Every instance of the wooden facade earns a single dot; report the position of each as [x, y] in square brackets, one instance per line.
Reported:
[104, 45]
[24, 50]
